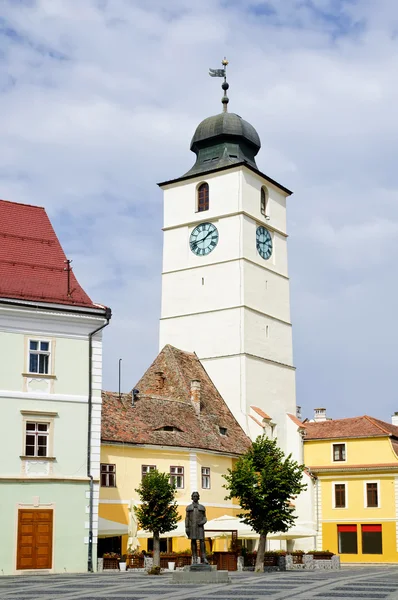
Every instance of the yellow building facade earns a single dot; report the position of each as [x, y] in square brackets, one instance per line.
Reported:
[175, 421]
[356, 497]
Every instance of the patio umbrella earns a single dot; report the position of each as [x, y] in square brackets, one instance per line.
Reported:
[132, 542]
[108, 528]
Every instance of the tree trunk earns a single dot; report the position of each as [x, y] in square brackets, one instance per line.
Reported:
[259, 568]
[156, 549]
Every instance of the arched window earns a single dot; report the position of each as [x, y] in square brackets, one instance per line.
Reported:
[203, 197]
[264, 201]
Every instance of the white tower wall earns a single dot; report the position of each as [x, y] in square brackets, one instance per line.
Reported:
[231, 307]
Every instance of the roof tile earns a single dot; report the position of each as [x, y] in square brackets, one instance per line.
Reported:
[354, 427]
[32, 261]
[165, 401]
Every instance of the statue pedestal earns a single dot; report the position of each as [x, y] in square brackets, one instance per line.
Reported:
[200, 574]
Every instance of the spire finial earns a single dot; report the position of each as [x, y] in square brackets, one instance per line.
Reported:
[225, 85]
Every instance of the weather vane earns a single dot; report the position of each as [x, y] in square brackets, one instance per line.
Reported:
[225, 85]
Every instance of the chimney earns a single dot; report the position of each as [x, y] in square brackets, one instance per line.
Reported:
[159, 380]
[298, 412]
[195, 395]
[320, 415]
[394, 419]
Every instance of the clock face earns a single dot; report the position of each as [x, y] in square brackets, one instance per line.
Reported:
[264, 242]
[203, 239]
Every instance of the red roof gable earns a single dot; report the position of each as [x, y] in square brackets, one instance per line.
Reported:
[165, 401]
[32, 261]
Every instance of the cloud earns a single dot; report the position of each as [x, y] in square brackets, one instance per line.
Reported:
[100, 100]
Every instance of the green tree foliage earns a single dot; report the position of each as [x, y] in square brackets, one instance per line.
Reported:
[265, 482]
[158, 511]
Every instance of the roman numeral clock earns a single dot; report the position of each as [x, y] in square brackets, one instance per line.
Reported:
[203, 239]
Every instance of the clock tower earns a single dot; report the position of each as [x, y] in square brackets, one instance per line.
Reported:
[225, 284]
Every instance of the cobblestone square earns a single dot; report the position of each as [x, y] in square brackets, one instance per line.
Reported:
[370, 582]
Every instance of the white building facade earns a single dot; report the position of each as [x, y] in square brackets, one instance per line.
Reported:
[50, 402]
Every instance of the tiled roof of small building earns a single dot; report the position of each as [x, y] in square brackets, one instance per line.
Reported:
[164, 400]
[32, 261]
[296, 421]
[355, 427]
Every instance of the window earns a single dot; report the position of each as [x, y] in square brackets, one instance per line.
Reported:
[371, 539]
[223, 430]
[39, 356]
[36, 438]
[339, 452]
[177, 477]
[348, 541]
[108, 475]
[145, 469]
[203, 197]
[206, 478]
[339, 495]
[264, 201]
[372, 495]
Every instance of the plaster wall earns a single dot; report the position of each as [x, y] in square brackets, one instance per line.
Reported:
[208, 334]
[267, 338]
[356, 498]
[129, 461]
[360, 451]
[69, 522]
[389, 555]
[206, 288]
[266, 291]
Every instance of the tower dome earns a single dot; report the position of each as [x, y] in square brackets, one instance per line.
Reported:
[223, 140]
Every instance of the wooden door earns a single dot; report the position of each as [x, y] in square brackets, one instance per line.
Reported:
[35, 539]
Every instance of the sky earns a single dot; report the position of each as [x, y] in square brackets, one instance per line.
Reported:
[99, 100]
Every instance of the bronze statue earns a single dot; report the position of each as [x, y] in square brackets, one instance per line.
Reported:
[194, 528]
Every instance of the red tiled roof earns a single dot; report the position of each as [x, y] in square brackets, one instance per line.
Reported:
[296, 421]
[355, 427]
[260, 412]
[165, 401]
[32, 261]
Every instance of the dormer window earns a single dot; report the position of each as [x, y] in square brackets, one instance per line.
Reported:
[168, 428]
[223, 430]
[264, 201]
[203, 197]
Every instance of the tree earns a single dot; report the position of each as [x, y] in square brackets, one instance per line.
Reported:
[265, 482]
[158, 511]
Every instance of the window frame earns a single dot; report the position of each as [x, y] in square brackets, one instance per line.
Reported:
[345, 452]
[340, 530]
[264, 194]
[202, 205]
[334, 503]
[37, 417]
[207, 476]
[108, 474]
[145, 473]
[379, 530]
[39, 353]
[365, 491]
[176, 475]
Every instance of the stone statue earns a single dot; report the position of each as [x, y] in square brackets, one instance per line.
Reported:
[194, 528]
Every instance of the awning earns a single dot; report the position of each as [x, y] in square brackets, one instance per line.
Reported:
[294, 532]
[108, 528]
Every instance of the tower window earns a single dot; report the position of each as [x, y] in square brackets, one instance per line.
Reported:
[203, 197]
[264, 201]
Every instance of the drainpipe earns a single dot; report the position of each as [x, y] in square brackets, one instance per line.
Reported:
[108, 314]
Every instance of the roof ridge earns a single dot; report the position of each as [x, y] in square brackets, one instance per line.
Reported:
[373, 421]
[171, 350]
[22, 204]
